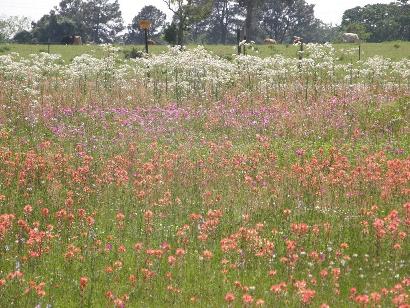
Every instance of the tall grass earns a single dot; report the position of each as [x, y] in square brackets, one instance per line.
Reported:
[186, 179]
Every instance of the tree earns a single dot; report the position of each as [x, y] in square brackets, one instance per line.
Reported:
[383, 22]
[197, 31]
[52, 27]
[11, 25]
[284, 19]
[222, 20]
[251, 8]
[22, 37]
[187, 12]
[96, 20]
[102, 19]
[322, 33]
[151, 13]
[70, 8]
[74, 10]
[170, 33]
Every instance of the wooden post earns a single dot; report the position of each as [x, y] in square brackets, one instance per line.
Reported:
[238, 40]
[300, 54]
[145, 25]
[360, 47]
[244, 45]
[48, 45]
[146, 40]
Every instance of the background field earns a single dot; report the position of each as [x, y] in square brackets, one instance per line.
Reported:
[394, 50]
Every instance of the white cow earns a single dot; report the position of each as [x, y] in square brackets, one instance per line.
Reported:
[270, 41]
[350, 38]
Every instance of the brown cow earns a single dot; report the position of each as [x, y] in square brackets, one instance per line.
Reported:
[77, 40]
[270, 41]
[297, 40]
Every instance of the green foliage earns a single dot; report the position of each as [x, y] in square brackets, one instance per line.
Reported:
[94, 20]
[11, 25]
[170, 34]
[151, 13]
[102, 19]
[187, 13]
[23, 37]
[74, 10]
[222, 22]
[383, 22]
[53, 28]
[282, 20]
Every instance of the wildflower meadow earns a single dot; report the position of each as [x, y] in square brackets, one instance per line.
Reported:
[184, 179]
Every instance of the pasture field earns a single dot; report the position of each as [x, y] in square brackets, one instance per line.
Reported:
[189, 180]
[395, 50]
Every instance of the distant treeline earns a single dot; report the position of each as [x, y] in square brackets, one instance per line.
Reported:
[209, 21]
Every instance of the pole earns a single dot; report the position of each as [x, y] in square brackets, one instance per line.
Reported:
[244, 45]
[300, 54]
[360, 47]
[146, 40]
[238, 40]
[48, 45]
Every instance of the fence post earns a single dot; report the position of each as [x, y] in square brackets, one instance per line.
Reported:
[300, 54]
[244, 45]
[360, 47]
[145, 24]
[238, 40]
[48, 45]
[146, 40]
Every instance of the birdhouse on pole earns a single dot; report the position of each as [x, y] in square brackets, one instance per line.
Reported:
[145, 25]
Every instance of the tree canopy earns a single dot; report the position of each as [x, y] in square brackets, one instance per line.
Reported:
[211, 21]
[380, 22]
[10, 26]
[155, 16]
[97, 21]
[282, 20]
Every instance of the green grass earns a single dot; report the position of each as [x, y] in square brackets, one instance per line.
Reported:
[393, 50]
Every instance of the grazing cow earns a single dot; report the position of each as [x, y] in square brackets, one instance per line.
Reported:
[297, 40]
[71, 40]
[270, 41]
[77, 40]
[151, 42]
[350, 38]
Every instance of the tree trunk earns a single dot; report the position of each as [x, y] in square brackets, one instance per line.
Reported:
[249, 30]
[284, 32]
[223, 23]
[180, 32]
[223, 35]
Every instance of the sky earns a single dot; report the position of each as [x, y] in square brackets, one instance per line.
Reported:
[329, 11]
